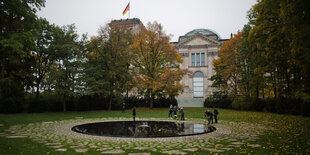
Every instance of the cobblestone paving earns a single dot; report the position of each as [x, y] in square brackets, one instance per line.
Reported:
[58, 135]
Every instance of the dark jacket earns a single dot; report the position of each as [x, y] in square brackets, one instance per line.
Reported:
[215, 112]
[208, 113]
[134, 112]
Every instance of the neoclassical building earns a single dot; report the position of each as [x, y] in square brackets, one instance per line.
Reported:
[198, 48]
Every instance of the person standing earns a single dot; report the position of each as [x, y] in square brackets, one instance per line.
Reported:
[123, 107]
[134, 113]
[170, 111]
[182, 113]
[175, 110]
[178, 112]
[215, 112]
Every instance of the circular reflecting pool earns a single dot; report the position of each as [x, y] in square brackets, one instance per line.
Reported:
[143, 129]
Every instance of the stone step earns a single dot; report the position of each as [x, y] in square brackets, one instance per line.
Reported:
[190, 102]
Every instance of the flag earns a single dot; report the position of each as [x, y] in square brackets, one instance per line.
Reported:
[126, 9]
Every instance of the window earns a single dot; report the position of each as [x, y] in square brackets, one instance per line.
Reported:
[202, 59]
[197, 59]
[193, 59]
[198, 84]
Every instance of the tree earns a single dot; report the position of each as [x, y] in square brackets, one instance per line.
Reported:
[250, 80]
[278, 26]
[227, 76]
[273, 56]
[16, 43]
[108, 71]
[42, 55]
[154, 59]
[66, 53]
[169, 82]
[296, 19]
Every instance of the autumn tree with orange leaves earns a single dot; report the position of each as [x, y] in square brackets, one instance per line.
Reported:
[227, 66]
[156, 62]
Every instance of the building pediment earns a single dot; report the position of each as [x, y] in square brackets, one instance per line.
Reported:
[198, 40]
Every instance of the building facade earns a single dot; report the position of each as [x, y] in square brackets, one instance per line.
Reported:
[198, 48]
[134, 24]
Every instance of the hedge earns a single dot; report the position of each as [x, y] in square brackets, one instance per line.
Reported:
[283, 105]
[54, 103]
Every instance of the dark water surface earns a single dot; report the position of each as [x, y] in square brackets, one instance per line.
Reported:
[143, 129]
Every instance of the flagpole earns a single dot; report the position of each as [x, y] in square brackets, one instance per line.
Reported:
[129, 11]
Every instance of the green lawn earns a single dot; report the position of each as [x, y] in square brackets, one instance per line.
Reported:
[275, 133]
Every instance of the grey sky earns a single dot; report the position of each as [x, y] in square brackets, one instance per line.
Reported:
[177, 16]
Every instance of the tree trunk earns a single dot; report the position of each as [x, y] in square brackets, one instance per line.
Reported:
[151, 100]
[64, 104]
[288, 83]
[306, 81]
[110, 96]
[2, 67]
[275, 86]
[38, 89]
[279, 91]
[2, 74]
[236, 86]
[110, 101]
[257, 88]
[263, 92]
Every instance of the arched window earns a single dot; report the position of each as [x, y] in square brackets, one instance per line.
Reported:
[198, 84]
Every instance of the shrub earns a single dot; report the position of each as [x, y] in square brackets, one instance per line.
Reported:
[236, 103]
[97, 102]
[83, 103]
[270, 105]
[46, 102]
[247, 103]
[165, 102]
[36, 106]
[11, 105]
[218, 101]
[157, 103]
[305, 108]
[258, 104]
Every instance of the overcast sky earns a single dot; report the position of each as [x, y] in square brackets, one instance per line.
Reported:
[177, 16]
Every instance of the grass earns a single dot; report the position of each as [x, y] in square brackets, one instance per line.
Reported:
[282, 134]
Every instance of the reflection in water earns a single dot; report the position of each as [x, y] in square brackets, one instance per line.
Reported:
[142, 129]
[198, 128]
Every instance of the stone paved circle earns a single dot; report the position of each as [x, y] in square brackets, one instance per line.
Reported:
[143, 153]
[61, 150]
[58, 135]
[116, 151]
[174, 152]
[81, 150]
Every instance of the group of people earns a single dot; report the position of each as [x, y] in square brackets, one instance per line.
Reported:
[177, 112]
[209, 115]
